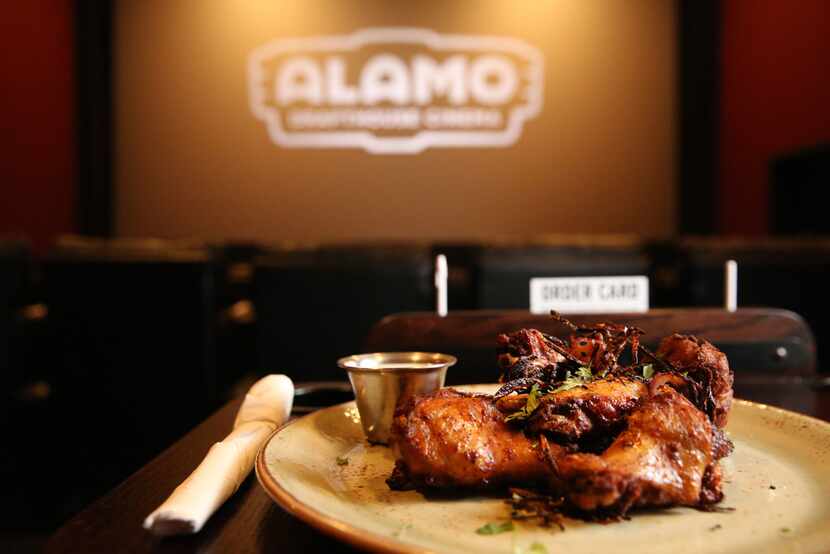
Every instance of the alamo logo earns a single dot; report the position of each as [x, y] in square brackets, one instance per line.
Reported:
[395, 90]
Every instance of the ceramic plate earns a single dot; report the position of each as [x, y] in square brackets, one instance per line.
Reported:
[777, 480]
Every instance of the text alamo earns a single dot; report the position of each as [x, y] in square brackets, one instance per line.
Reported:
[391, 90]
[487, 80]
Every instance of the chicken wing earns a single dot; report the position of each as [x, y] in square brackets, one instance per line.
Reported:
[526, 354]
[667, 455]
[602, 436]
[707, 366]
[599, 406]
[455, 440]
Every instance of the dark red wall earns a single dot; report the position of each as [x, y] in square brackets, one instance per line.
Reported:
[775, 98]
[37, 134]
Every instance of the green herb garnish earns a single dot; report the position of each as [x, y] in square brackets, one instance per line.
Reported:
[583, 377]
[584, 373]
[531, 405]
[342, 461]
[648, 371]
[495, 528]
[568, 384]
[534, 548]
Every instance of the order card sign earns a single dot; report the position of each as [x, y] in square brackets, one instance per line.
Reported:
[589, 295]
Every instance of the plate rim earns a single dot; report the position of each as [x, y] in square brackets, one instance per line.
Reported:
[360, 538]
[333, 527]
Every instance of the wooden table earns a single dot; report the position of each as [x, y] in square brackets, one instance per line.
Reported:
[250, 521]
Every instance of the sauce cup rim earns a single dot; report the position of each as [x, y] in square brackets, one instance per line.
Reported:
[426, 362]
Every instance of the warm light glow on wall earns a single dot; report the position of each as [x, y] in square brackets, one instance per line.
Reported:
[194, 160]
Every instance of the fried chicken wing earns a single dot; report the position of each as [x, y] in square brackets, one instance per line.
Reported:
[665, 456]
[526, 354]
[599, 406]
[603, 437]
[705, 365]
[455, 440]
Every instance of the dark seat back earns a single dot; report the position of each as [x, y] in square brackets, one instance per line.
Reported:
[14, 275]
[317, 304]
[132, 334]
[236, 352]
[502, 271]
[755, 340]
[785, 273]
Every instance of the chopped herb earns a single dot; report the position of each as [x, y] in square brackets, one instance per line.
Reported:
[648, 371]
[568, 384]
[495, 528]
[342, 461]
[785, 529]
[534, 548]
[530, 406]
[716, 527]
[584, 373]
[574, 381]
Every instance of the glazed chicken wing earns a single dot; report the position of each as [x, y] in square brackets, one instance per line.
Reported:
[450, 439]
[603, 437]
[705, 365]
[597, 407]
[667, 455]
[526, 354]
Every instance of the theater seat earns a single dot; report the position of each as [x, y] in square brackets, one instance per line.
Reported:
[502, 270]
[316, 304]
[132, 345]
[784, 273]
[757, 341]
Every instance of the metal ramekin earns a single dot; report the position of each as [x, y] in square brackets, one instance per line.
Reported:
[382, 380]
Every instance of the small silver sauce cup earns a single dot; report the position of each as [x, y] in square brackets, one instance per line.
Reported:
[382, 380]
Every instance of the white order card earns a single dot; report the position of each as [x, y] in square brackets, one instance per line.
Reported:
[589, 295]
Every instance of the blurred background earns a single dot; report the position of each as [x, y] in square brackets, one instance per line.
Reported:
[161, 245]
